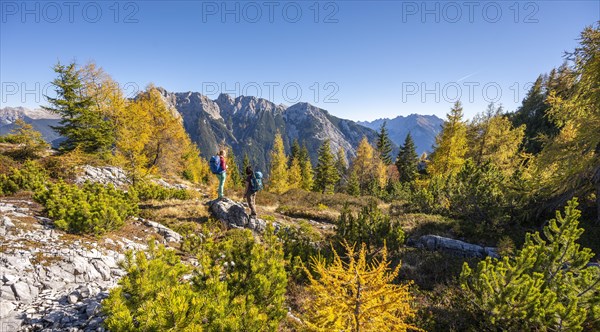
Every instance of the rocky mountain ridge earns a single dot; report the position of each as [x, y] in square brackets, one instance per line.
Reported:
[248, 124]
[423, 129]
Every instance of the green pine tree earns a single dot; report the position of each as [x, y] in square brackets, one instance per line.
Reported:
[306, 169]
[353, 187]
[384, 145]
[407, 161]
[233, 173]
[341, 165]
[326, 175]
[294, 152]
[547, 286]
[81, 125]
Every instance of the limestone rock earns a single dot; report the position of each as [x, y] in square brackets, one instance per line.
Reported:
[233, 215]
[169, 234]
[105, 175]
[454, 247]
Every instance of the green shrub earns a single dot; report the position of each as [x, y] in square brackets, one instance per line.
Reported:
[29, 177]
[152, 296]
[92, 209]
[547, 286]
[475, 193]
[299, 244]
[371, 227]
[238, 285]
[149, 190]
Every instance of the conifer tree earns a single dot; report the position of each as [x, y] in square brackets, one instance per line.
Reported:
[342, 168]
[368, 167]
[133, 135]
[295, 174]
[357, 295]
[571, 161]
[353, 187]
[492, 139]
[306, 169]
[384, 144]
[451, 144]
[548, 285]
[81, 125]
[32, 143]
[371, 226]
[278, 177]
[294, 152]
[407, 161]
[233, 173]
[167, 147]
[326, 175]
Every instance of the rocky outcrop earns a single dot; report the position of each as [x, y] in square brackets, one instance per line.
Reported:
[454, 247]
[233, 215]
[117, 177]
[105, 175]
[168, 234]
[52, 281]
[165, 184]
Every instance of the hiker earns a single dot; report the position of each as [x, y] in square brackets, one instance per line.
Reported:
[250, 193]
[221, 171]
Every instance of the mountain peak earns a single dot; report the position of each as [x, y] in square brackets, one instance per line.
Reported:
[423, 129]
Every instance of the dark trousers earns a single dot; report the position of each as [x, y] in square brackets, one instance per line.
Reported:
[251, 199]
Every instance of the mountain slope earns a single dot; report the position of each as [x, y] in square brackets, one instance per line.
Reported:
[248, 124]
[423, 128]
[39, 119]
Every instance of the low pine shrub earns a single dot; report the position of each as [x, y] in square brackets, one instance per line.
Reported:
[148, 190]
[29, 177]
[92, 209]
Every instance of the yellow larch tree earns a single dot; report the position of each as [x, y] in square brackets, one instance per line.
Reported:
[278, 177]
[368, 166]
[295, 174]
[357, 295]
[451, 144]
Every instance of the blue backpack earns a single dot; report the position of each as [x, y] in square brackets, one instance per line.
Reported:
[256, 184]
[215, 164]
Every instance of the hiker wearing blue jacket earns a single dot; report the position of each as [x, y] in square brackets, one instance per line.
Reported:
[222, 173]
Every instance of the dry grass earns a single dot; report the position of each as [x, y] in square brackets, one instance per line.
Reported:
[297, 203]
[190, 210]
[45, 259]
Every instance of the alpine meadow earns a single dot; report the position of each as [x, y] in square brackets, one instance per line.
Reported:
[319, 175]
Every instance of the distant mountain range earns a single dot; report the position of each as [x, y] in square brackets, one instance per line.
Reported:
[248, 125]
[39, 119]
[423, 129]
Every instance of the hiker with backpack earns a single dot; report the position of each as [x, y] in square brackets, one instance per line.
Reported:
[253, 185]
[218, 166]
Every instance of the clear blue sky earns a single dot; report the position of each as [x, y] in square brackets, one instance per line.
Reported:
[360, 60]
